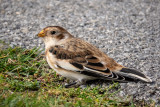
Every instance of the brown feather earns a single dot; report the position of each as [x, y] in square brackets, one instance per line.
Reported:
[92, 59]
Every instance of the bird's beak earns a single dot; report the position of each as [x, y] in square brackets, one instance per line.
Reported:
[41, 34]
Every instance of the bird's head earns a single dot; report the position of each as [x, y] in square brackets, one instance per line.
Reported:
[54, 34]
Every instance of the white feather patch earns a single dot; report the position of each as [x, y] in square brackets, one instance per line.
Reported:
[66, 65]
[55, 65]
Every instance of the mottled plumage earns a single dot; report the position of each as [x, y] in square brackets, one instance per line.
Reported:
[79, 60]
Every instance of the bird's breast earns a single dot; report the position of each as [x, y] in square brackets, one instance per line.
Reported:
[50, 59]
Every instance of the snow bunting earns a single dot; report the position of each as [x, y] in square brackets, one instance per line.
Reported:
[77, 59]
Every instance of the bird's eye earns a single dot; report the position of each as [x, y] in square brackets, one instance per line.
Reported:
[53, 32]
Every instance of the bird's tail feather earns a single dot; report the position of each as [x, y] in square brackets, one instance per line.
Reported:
[132, 75]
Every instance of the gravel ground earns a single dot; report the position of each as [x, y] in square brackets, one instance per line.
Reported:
[127, 30]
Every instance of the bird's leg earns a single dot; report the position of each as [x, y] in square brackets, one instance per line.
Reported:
[70, 84]
[75, 84]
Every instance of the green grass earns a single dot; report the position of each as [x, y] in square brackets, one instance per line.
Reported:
[27, 81]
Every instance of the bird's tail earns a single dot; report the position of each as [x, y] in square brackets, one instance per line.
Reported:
[127, 74]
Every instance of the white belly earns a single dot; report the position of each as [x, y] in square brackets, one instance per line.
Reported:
[74, 75]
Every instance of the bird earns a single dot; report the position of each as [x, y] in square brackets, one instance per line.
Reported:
[80, 61]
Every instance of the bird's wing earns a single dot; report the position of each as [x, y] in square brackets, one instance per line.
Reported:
[82, 61]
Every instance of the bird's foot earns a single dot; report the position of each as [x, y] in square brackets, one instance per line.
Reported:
[75, 84]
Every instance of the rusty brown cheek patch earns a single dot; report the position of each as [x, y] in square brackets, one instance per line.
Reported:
[59, 37]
